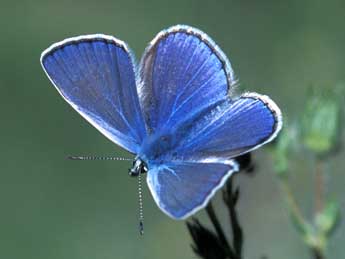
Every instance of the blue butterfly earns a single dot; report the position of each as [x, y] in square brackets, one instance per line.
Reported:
[174, 112]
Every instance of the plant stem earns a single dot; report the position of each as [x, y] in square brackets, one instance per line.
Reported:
[316, 254]
[302, 224]
[319, 187]
[219, 230]
[319, 201]
[295, 210]
[230, 198]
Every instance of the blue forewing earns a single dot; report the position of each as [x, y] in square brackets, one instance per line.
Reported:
[95, 74]
[177, 116]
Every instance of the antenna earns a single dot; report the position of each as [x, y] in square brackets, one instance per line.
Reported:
[141, 211]
[98, 158]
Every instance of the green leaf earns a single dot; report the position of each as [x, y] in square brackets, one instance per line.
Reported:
[327, 219]
[321, 121]
[284, 145]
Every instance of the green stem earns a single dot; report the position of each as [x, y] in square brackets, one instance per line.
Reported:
[300, 221]
[317, 251]
[319, 187]
[294, 208]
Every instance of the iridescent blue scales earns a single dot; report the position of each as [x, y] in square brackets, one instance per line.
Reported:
[176, 113]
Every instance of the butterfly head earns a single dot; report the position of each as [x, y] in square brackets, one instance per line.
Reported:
[139, 167]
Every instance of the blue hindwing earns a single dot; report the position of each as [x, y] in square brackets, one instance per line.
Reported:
[231, 129]
[182, 188]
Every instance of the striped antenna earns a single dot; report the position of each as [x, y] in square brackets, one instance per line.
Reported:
[99, 158]
[141, 210]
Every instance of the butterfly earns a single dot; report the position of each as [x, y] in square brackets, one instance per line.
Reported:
[175, 111]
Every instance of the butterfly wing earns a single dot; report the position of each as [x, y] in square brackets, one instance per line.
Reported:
[185, 84]
[182, 188]
[95, 75]
[184, 185]
[198, 127]
[182, 72]
[231, 129]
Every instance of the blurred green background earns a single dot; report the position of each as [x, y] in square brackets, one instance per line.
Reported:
[54, 208]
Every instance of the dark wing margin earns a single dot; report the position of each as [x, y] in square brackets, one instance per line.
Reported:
[95, 74]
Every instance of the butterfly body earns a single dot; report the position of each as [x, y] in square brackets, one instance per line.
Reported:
[177, 114]
[158, 146]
